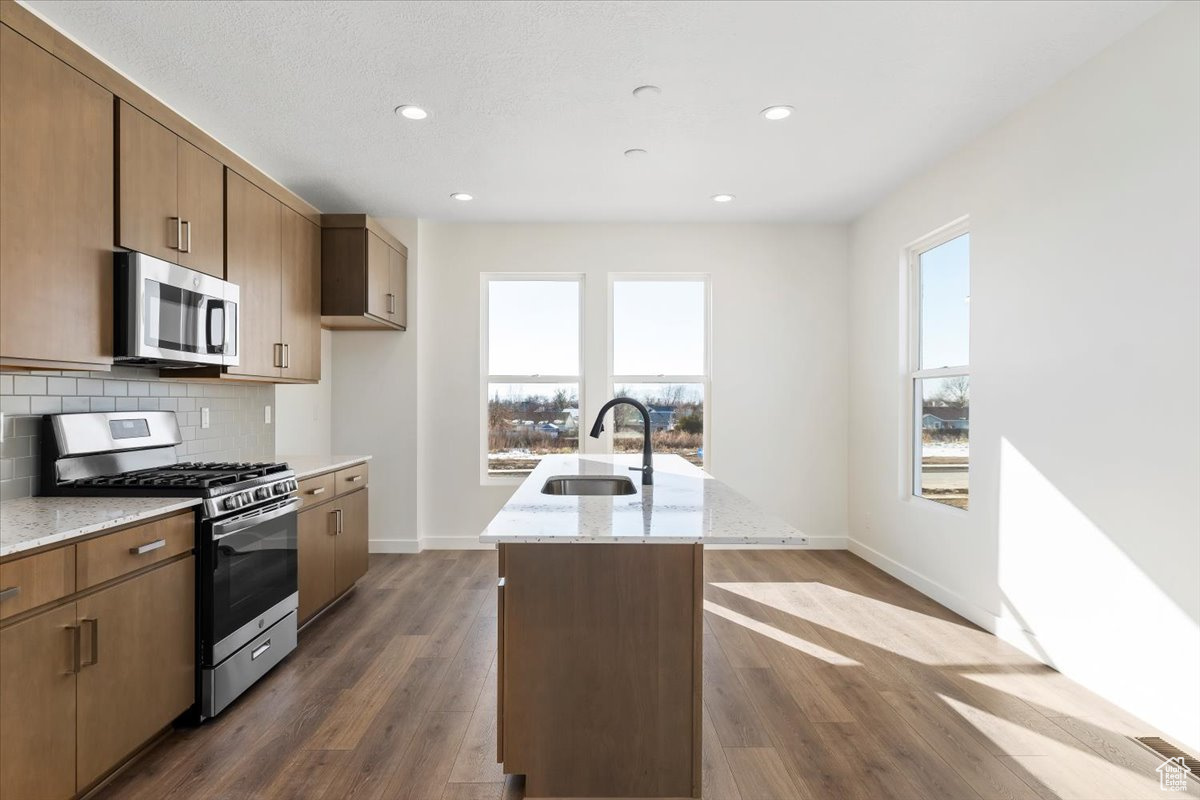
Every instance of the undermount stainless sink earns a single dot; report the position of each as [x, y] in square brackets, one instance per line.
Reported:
[588, 485]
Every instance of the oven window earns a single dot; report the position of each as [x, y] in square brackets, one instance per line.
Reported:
[252, 570]
[175, 319]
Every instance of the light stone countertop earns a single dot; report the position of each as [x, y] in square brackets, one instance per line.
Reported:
[30, 522]
[307, 466]
[684, 506]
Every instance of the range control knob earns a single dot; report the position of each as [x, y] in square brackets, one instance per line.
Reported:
[246, 498]
[280, 488]
[262, 493]
[232, 502]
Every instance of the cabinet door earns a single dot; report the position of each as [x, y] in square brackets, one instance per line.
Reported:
[147, 185]
[379, 270]
[56, 209]
[350, 558]
[315, 543]
[398, 280]
[202, 210]
[139, 664]
[253, 220]
[37, 706]
[301, 297]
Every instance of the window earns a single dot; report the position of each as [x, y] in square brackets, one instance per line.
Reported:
[940, 370]
[660, 357]
[531, 371]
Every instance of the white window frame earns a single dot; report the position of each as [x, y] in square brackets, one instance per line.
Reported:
[485, 377]
[705, 379]
[914, 408]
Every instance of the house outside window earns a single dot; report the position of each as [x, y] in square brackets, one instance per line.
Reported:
[531, 357]
[659, 355]
[940, 379]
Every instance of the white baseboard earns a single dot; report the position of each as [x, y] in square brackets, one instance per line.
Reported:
[393, 546]
[454, 543]
[927, 586]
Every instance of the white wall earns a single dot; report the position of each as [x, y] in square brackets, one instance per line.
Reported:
[1082, 539]
[777, 414]
[303, 411]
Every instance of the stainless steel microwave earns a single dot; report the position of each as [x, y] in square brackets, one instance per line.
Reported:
[166, 315]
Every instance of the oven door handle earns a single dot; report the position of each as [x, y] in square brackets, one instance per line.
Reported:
[239, 524]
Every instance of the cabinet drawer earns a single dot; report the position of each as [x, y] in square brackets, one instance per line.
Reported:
[317, 489]
[351, 478]
[116, 554]
[35, 580]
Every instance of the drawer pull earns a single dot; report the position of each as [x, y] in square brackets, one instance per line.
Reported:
[262, 648]
[316, 491]
[148, 547]
[9, 592]
[355, 478]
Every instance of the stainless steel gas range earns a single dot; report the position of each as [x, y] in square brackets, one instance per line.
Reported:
[245, 539]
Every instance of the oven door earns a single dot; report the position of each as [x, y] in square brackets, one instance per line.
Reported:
[174, 316]
[248, 579]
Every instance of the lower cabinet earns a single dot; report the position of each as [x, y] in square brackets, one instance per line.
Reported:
[86, 683]
[333, 537]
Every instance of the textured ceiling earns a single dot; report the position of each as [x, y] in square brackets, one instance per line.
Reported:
[531, 108]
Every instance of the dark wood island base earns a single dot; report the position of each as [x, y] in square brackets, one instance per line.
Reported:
[600, 668]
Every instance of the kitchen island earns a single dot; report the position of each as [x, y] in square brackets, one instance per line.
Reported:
[601, 643]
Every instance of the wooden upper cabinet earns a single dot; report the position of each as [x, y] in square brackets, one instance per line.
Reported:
[169, 195]
[56, 211]
[147, 185]
[201, 210]
[398, 287]
[363, 274]
[253, 222]
[301, 314]
[379, 268]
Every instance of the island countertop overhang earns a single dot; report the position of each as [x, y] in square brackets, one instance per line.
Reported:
[685, 505]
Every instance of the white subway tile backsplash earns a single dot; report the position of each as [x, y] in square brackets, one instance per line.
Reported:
[236, 432]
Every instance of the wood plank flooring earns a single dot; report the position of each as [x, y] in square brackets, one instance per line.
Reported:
[824, 678]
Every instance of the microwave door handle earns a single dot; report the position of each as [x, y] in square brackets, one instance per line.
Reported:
[212, 308]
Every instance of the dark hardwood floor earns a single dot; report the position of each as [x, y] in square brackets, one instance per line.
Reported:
[824, 679]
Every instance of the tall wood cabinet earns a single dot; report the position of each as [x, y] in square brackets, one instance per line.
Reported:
[333, 536]
[364, 274]
[56, 211]
[300, 322]
[89, 674]
[169, 195]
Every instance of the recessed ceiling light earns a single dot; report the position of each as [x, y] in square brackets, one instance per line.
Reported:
[722, 198]
[635, 152]
[648, 90]
[412, 112]
[462, 196]
[777, 112]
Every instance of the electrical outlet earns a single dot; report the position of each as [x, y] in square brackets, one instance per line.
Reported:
[267, 415]
[204, 417]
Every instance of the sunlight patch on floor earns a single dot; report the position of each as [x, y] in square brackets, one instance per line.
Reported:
[771, 632]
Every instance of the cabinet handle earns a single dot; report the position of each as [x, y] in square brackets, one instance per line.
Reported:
[175, 233]
[500, 584]
[186, 227]
[148, 547]
[354, 478]
[287, 355]
[258, 651]
[316, 491]
[340, 520]
[9, 592]
[95, 657]
[76, 648]
[277, 355]
[391, 303]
